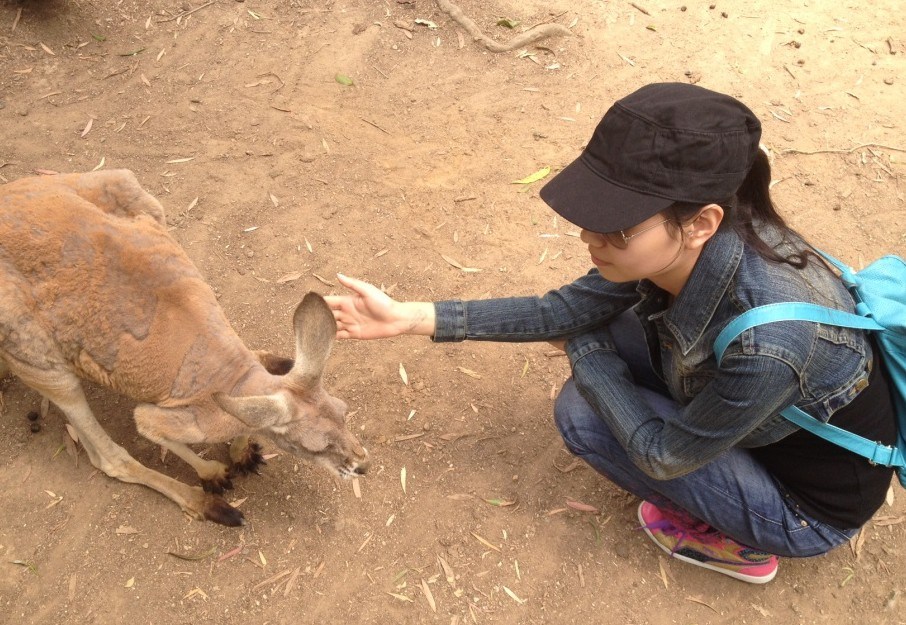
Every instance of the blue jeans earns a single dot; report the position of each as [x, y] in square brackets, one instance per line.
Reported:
[733, 493]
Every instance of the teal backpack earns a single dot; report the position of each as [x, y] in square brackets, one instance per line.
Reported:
[879, 291]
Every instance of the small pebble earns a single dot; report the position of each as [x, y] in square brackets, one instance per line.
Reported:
[33, 416]
[35, 427]
[724, 14]
[682, 8]
[888, 81]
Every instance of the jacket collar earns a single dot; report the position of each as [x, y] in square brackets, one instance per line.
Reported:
[691, 312]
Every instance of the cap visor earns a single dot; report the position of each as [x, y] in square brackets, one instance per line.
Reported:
[587, 200]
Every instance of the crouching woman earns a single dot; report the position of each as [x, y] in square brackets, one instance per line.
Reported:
[672, 198]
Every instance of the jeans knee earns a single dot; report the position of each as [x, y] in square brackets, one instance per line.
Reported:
[570, 410]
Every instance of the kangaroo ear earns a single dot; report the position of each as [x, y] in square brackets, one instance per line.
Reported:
[316, 331]
[257, 411]
[274, 364]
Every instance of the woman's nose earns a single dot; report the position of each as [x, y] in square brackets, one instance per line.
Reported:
[592, 239]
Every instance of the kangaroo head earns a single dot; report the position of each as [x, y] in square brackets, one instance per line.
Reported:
[302, 417]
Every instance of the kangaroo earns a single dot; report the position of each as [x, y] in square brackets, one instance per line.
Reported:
[93, 287]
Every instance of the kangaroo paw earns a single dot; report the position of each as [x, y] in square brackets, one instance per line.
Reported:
[217, 485]
[247, 460]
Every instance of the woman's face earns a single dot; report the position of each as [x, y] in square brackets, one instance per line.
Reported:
[653, 249]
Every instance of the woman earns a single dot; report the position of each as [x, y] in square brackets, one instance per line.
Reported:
[671, 194]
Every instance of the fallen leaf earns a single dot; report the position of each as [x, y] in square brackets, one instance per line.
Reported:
[72, 433]
[87, 127]
[660, 564]
[460, 497]
[430, 597]
[431, 25]
[193, 557]
[126, 529]
[448, 572]
[196, 592]
[513, 596]
[701, 602]
[344, 80]
[501, 503]
[404, 375]
[274, 200]
[485, 542]
[582, 507]
[130, 583]
[324, 280]
[47, 50]
[181, 160]
[407, 437]
[456, 264]
[403, 479]
[289, 277]
[535, 177]
[469, 372]
[400, 597]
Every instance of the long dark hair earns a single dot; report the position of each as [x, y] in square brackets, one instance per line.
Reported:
[751, 205]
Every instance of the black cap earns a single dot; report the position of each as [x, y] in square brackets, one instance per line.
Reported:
[665, 143]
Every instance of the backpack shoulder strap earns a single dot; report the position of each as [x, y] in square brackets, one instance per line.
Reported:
[802, 311]
[875, 452]
[789, 311]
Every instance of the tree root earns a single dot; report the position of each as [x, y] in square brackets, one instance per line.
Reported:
[529, 37]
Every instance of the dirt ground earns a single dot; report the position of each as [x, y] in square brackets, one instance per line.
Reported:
[276, 175]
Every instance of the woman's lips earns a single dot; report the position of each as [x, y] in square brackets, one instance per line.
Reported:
[597, 261]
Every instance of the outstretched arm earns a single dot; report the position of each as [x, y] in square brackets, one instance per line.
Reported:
[369, 313]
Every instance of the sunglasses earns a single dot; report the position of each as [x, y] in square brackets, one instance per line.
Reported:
[620, 239]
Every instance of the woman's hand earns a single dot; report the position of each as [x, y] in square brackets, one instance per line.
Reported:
[369, 313]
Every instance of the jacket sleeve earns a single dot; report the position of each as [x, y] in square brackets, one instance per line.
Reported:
[746, 391]
[570, 310]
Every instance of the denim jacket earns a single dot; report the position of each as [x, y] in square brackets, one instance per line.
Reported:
[818, 368]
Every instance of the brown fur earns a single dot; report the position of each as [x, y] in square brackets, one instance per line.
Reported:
[92, 286]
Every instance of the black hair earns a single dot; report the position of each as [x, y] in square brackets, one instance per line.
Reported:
[751, 205]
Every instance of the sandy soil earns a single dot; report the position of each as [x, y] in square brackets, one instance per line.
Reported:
[275, 176]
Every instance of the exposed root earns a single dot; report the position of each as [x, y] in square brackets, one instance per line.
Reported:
[527, 38]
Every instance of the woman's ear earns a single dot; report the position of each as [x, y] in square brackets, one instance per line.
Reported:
[699, 230]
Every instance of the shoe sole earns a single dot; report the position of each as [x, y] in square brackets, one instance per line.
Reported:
[760, 579]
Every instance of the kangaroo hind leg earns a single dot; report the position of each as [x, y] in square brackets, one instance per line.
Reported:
[116, 462]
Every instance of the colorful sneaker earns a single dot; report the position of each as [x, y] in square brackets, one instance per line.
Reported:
[697, 543]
